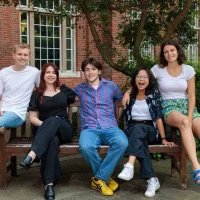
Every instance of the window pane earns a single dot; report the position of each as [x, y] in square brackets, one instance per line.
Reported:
[24, 2]
[24, 27]
[24, 39]
[44, 42]
[68, 33]
[44, 53]
[50, 31]
[68, 44]
[57, 54]
[56, 32]
[56, 21]
[43, 31]
[37, 30]
[43, 62]
[36, 19]
[43, 4]
[37, 53]
[57, 62]
[69, 54]
[37, 41]
[50, 4]
[37, 64]
[50, 20]
[50, 54]
[23, 17]
[43, 20]
[56, 43]
[50, 42]
[68, 65]
[36, 4]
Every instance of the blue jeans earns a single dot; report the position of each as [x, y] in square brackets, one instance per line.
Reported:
[10, 120]
[91, 139]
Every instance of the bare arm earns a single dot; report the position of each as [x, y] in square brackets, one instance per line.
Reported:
[33, 116]
[126, 97]
[161, 130]
[191, 97]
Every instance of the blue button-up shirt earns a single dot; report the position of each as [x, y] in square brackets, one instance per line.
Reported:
[97, 106]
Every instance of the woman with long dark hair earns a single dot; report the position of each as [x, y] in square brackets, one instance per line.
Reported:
[144, 123]
[176, 81]
[48, 113]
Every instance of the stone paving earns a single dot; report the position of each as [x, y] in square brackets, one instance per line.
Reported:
[75, 184]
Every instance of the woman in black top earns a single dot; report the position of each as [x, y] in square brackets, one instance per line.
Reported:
[48, 113]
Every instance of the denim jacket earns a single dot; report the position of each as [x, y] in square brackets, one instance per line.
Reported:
[154, 101]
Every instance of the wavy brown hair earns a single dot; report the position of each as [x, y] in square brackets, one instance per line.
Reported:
[42, 86]
[181, 55]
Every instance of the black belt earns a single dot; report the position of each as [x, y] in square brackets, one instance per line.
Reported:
[146, 122]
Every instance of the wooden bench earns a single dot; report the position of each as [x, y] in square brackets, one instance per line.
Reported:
[20, 141]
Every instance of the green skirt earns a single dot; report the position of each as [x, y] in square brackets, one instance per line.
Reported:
[179, 105]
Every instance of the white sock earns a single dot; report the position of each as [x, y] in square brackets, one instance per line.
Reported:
[129, 165]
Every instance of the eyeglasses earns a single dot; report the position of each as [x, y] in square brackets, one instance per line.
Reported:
[142, 77]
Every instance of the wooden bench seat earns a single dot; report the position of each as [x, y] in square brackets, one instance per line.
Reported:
[20, 141]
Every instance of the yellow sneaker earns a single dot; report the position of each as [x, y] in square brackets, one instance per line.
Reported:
[100, 185]
[113, 185]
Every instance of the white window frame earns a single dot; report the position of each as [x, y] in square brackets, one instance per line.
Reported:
[30, 40]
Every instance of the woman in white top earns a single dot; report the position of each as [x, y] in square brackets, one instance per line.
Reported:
[176, 82]
[144, 123]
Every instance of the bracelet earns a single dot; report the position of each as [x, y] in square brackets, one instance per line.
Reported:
[163, 138]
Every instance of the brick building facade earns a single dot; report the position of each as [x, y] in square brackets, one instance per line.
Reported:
[19, 24]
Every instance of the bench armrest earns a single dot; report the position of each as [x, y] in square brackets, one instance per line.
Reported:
[2, 131]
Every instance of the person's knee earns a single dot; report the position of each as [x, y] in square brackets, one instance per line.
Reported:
[86, 147]
[55, 141]
[122, 144]
[185, 123]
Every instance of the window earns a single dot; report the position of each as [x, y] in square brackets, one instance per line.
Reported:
[50, 39]
[147, 51]
[192, 52]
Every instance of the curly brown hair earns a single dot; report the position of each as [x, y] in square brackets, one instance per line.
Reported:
[181, 55]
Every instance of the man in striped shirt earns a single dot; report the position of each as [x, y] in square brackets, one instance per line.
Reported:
[99, 125]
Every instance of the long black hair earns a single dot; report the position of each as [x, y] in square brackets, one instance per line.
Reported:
[152, 82]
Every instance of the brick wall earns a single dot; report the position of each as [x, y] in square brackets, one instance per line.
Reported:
[10, 35]
[9, 32]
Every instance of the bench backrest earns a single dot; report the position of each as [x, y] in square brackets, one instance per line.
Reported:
[74, 116]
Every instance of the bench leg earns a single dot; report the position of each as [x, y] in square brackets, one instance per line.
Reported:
[183, 168]
[3, 167]
[14, 166]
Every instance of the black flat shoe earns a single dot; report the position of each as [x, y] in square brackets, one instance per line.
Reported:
[49, 193]
[27, 162]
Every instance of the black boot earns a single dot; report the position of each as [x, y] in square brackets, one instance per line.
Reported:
[49, 193]
[27, 162]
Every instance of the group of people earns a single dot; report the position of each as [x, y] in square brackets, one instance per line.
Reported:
[166, 92]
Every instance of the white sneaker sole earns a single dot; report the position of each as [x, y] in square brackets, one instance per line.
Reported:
[125, 178]
[158, 186]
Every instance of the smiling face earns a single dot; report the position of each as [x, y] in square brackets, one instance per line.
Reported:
[50, 76]
[142, 80]
[92, 74]
[170, 53]
[21, 57]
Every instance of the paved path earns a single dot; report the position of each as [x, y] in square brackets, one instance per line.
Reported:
[75, 184]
